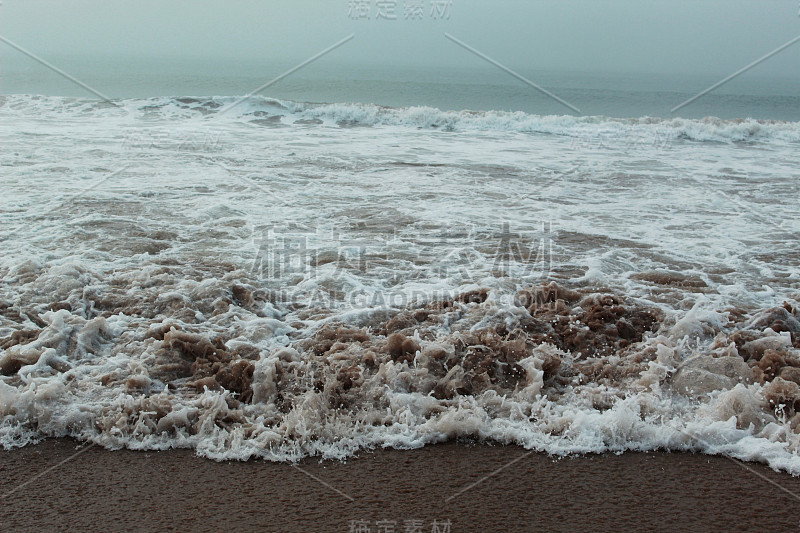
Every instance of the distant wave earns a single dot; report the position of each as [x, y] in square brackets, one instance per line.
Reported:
[269, 111]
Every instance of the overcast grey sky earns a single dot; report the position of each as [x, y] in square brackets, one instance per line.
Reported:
[705, 36]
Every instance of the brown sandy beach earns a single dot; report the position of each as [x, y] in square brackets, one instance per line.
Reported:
[399, 491]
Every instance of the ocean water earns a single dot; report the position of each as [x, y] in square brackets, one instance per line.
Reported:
[283, 277]
[449, 88]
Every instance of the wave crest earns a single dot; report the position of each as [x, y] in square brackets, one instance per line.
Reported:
[269, 111]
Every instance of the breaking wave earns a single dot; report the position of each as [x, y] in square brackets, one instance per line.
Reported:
[553, 368]
[272, 112]
[231, 297]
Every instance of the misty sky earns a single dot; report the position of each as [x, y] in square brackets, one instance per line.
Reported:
[703, 36]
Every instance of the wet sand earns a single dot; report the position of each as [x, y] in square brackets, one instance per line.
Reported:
[98, 490]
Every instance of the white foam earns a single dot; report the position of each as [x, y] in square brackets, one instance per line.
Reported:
[590, 130]
[163, 242]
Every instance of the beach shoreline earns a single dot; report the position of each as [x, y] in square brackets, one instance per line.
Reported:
[61, 484]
